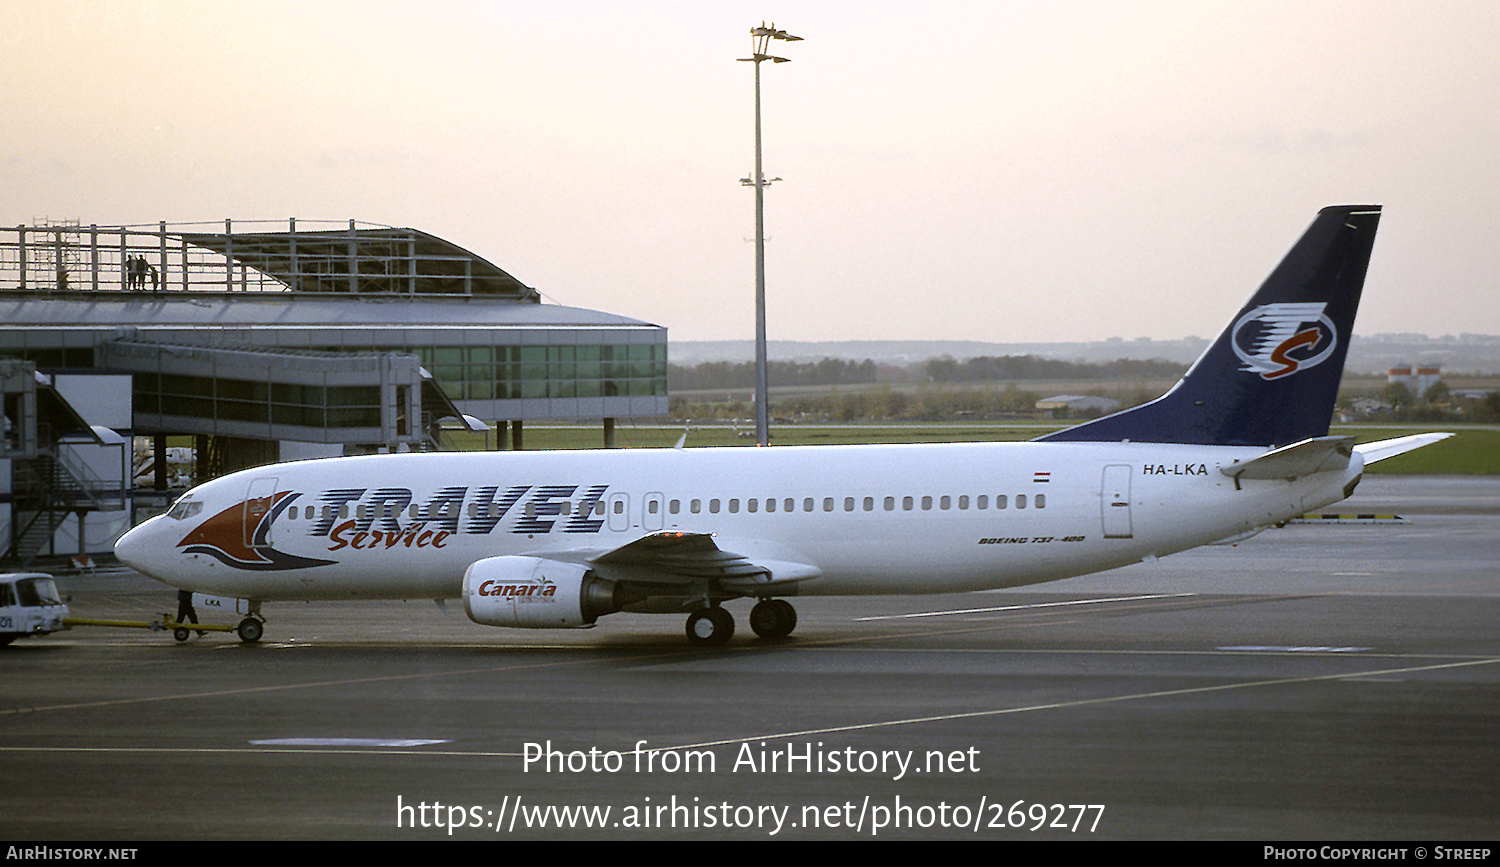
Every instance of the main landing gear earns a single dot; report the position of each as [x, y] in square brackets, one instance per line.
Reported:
[714, 626]
[710, 627]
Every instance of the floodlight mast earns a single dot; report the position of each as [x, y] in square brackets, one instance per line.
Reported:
[761, 39]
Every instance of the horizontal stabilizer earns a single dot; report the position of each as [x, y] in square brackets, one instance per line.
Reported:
[1382, 449]
[1316, 455]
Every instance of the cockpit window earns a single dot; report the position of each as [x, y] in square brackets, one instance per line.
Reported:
[185, 508]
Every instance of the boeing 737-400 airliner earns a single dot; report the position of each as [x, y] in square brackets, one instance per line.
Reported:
[559, 539]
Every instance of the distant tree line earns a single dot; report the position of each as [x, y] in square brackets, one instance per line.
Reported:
[1438, 404]
[728, 374]
[924, 403]
[1023, 367]
[834, 371]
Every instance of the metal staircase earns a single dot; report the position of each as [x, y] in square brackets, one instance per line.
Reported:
[49, 488]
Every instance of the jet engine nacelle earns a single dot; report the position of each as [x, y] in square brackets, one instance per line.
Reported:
[535, 593]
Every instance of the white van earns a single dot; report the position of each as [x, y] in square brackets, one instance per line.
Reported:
[29, 605]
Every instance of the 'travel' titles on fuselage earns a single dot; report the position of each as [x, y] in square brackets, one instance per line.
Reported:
[363, 519]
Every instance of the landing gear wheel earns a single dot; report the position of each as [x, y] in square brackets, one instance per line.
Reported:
[710, 627]
[773, 618]
[250, 630]
[181, 633]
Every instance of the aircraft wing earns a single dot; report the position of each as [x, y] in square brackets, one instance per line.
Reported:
[1315, 455]
[674, 558]
[1379, 451]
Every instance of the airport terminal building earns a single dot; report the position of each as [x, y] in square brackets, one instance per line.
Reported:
[265, 343]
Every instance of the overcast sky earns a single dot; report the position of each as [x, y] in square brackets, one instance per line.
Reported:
[987, 170]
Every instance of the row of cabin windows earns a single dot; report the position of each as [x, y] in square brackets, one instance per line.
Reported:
[851, 504]
[732, 505]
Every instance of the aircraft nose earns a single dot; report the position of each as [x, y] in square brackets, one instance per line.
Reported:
[135, 548]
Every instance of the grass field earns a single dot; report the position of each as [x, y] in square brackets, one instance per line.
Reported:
[1474, 451]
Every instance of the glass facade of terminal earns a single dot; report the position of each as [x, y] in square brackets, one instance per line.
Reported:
[261, 402]
[525, 372]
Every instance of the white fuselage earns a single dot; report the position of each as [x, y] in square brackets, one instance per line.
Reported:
[870, 519]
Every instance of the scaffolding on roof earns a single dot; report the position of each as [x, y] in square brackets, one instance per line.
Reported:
[312, 258]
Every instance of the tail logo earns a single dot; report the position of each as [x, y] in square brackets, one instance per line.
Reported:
[1276, 340]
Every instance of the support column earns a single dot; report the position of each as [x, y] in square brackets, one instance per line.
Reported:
[159, 449]
[501, 429]
[161, 255]
[291, 225]
[200, 459]
[353, 260]
[609, 433]
[515, 435]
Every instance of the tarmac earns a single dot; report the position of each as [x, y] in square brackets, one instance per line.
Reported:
[1323, 681]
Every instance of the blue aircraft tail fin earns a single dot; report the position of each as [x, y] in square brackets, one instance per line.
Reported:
[1271, 378]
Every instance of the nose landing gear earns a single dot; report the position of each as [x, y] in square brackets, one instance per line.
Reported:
[250, 629]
